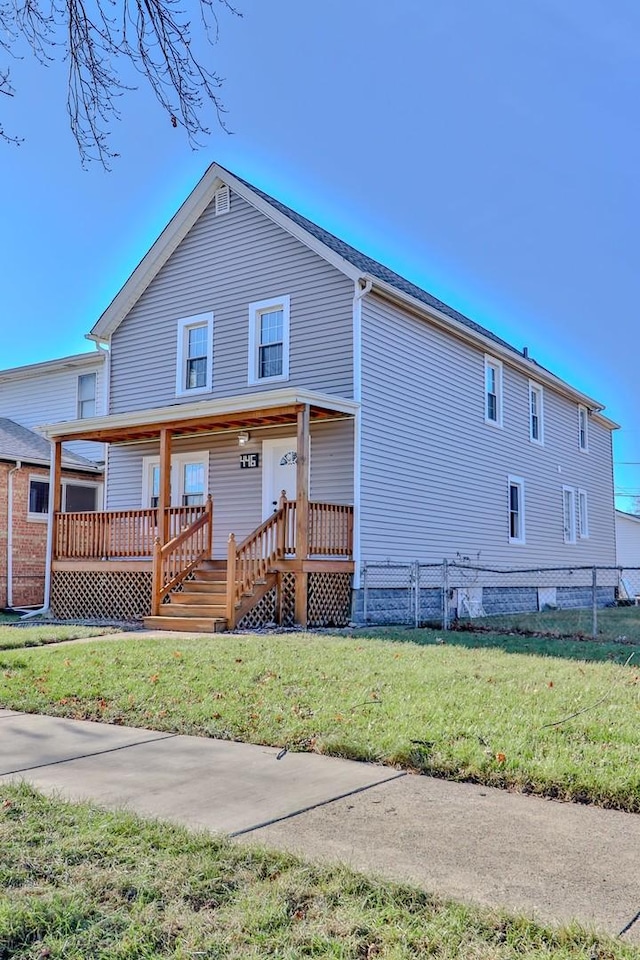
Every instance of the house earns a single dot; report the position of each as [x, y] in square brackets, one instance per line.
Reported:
[334, 412]
[628, 541]
[24, 508]
[71, 387]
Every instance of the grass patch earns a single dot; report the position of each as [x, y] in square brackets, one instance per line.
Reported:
[77, 882]
[12, 638]
[481, 715]
[614, 623]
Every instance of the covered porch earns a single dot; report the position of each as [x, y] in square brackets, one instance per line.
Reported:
[303, 542]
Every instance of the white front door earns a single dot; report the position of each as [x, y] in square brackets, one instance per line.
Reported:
[279, 467]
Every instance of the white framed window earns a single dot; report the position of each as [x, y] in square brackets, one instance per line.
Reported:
[493, 391]
[189, 479]
[77, 497]
[86, 406]
[583, 429]
[194, 368]
[269, 340]
[569, 514]
[583, 515]
[516, 510]
[536, 413]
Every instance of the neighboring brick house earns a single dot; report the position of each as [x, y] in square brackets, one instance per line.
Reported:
[24, 503]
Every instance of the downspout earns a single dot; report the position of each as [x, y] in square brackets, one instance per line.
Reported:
[362, 286]
[10, 532]
[49, 550]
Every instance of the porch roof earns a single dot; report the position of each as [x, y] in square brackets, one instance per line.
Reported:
[267, 408]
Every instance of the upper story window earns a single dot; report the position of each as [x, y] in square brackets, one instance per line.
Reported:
[583, 429]
[194, 372]
[269, 340]
[493, 391]
[516, 510]
[536, 413]
[86, 395]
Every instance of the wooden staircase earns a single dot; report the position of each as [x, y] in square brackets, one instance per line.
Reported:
[201, 605]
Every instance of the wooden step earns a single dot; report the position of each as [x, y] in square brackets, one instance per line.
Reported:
[218, 587]
[212, 565]
[209, 576]
[193, 610]
[200, 624]
[198, 597]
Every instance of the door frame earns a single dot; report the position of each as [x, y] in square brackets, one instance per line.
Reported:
[268, 446]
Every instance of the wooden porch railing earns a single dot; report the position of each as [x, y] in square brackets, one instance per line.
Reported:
[248, 563]
[173, 561]
[115, 533]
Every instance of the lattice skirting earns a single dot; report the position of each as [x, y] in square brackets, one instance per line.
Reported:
[101, 595]
[329, 599]
[329, 603]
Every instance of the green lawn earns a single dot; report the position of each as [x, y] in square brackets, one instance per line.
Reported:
[479, 714]
[12, 638]
[614, 623]
[79, 883]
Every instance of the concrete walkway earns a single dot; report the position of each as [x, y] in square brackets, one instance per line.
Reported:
[557, 862]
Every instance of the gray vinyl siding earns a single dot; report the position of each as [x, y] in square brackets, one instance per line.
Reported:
[236, 493]
[222, 265]
[434, 474]
[51, 396]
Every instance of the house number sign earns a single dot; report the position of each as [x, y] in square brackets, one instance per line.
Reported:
[249, 460]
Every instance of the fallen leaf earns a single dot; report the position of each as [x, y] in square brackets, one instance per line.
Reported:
[501, 757]
[154, 678]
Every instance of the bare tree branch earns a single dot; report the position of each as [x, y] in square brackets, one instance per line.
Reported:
[100, 39]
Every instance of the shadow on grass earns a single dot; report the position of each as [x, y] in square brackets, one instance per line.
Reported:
[562, 647]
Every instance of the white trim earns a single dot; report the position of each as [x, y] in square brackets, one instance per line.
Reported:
[37, 517]
[517, 482]
[222, 200]
[94, 358]
[244, 403]
[569, 515]
[185, 324]
[492, 363]
[268, 445]
[583, 412]
[257, 308]
[178, 461]
[583, 513]
[537, 390]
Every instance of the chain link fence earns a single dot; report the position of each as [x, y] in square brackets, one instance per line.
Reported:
[580, 600]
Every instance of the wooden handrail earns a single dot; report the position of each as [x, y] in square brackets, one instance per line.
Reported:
[95, 535]
[175, 559]
[248, 563]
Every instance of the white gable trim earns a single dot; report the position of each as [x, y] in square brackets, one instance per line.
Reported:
[176, 230]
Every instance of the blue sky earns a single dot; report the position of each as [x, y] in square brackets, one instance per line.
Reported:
[488, 151]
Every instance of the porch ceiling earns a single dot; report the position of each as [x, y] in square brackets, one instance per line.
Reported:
[238, 413]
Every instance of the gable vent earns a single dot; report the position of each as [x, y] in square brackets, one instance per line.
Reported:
[223, 200]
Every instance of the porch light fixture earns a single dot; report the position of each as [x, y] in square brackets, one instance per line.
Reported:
[243, 438]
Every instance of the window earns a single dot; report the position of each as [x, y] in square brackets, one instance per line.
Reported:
[195, 355]
[38, 498]
[189, 479]
[493, 391]
[76, 497]
[569, 514]
[583, 429]
[536, 402]
[86, 395]
[583, 515]
[269, 340]
[516, 510]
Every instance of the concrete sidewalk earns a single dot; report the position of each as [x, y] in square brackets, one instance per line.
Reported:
[557, 862]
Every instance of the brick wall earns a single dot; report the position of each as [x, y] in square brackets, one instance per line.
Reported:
[29, 537]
